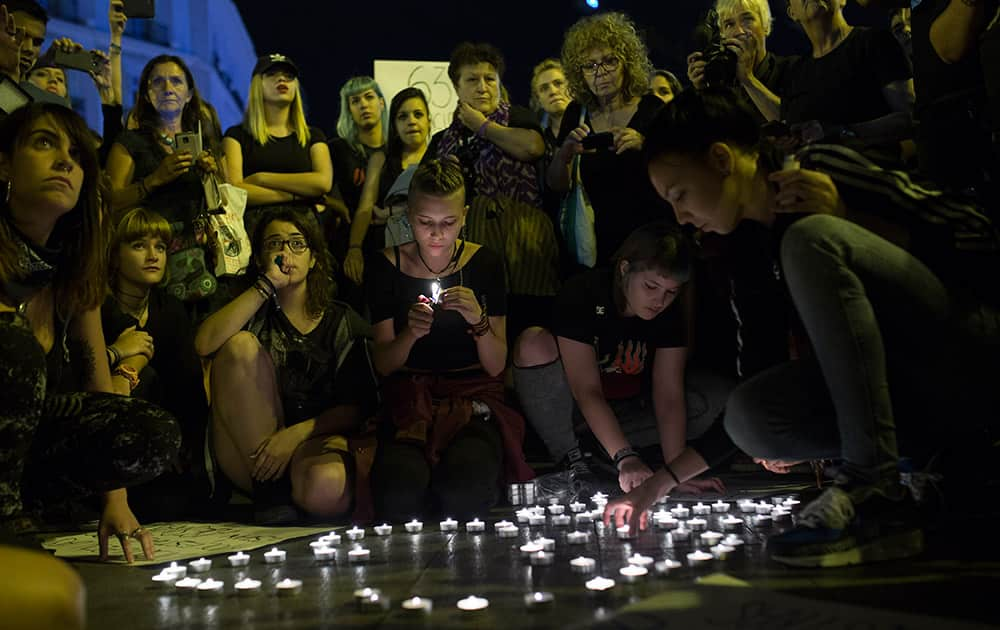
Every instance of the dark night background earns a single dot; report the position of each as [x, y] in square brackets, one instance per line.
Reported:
[332, 41]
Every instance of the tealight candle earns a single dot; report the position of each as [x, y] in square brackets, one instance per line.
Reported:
[700, 509]
[177, 569]
[475, 526]
[584, 518]
[288, 587]
[547, 544]
[555, 509]
[383, 529]
[501, 525]
[275, 556]
[633, 573]
[165, 578]
[640, 560]
[764, 508]
[720, 507]
[536, 520]
[732, 541]
[374, 602]
[211, 587]
[731, 523]
[680, 533]
[777, 501]
[577, 538]
[187, 585]
[359, 555]
[711, 538]
[324, 554]
[666, 523]
[790, 503]
[538, 599]
[330, 539]
[576, 507]
[721, 552]
[473, 603]
[318, 544]
[600, 585]
[201, 565]
[698, 524]
[362, 594]
[247, 586]
[529, 548]
[542, 559]
[414, 527]
[680, 511]
[599, 496]
[508, 532]
[582, 564]
[747, 506]
[762, 520]
[418, 605]
[624, 532]
[780, 515]
[561, 520]
[448, 525]
[698, 557]
[666, 566]
[523, 516]
[355, 533]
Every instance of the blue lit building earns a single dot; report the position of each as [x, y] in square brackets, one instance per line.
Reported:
[208, 34]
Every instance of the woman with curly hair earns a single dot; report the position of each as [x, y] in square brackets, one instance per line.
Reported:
[290, 376]
[608, 69]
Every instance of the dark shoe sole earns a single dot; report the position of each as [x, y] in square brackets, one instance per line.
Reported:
[904, 544]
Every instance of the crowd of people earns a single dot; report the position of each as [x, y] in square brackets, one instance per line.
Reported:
[792, 257]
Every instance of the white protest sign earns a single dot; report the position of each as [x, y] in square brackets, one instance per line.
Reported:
[431, 77]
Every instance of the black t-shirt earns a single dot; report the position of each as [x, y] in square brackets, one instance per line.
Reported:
[180, 201]
[845, 85]
[618, 187]
[585, 311]
[319, 370]
[349, 169]
[953, 138]
[179, 387]
[279, 155]
[448, 346]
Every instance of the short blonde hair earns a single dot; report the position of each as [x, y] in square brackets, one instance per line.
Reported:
[133, 225]
[761, 8]
[617, 32]
[544, 66]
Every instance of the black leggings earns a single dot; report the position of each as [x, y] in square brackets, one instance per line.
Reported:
[55, 448]
[464, 483]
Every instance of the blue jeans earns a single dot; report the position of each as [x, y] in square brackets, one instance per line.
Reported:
[889, 339]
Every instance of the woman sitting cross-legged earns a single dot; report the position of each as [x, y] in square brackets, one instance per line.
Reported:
[616, 355]
[438, 305]
[290, 376]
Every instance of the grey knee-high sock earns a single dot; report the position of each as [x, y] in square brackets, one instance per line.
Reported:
[548, 404]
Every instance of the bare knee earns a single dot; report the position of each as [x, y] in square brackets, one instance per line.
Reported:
[46, 594]
[321, 489]
[535, 346]
[242, 349]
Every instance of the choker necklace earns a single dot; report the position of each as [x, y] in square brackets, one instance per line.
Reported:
[135, 311]
[456, 252]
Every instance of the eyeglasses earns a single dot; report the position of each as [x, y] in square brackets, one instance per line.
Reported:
[297, 245]
[608, 64]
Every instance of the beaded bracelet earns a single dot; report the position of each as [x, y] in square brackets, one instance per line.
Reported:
[483, 326]
[128, 373]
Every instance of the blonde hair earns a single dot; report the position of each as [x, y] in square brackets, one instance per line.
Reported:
[135, 224]
[256, 123]
[762, 8]
[544, 66]
[611, 30]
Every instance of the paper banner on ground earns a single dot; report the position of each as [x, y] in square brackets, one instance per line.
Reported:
[181, 541]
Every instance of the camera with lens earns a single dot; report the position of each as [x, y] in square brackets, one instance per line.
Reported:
[720, 61]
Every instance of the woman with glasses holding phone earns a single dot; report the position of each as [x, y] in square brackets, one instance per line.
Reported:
[290, 376]
[608, 69]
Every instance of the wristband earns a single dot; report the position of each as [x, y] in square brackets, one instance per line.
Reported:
[481, 133]
[114, 356]
[262, 292]
[115, 48]
[624, 453]
[269, 284]
[128, 373]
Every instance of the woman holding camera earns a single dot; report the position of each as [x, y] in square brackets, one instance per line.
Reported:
[608, 71]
